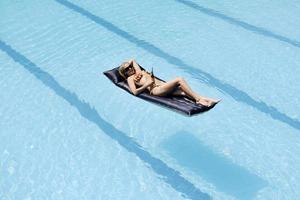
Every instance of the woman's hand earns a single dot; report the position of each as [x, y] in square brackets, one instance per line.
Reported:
[138, 77]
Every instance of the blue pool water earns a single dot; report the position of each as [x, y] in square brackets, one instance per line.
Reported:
[66, 132]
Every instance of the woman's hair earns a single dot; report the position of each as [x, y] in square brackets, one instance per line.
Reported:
[122, 69]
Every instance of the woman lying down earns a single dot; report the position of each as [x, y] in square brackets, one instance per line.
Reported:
[140, 80]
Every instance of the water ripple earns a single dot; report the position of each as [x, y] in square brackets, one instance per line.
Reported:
[167, 174]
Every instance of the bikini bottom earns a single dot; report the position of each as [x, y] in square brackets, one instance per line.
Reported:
[152, 87]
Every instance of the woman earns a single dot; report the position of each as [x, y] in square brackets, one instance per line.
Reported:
[140, 80]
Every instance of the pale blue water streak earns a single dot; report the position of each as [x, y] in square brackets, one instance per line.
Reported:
[237, 94]
[168, 174]
[226, 176]
[56, 144]
[239, 23]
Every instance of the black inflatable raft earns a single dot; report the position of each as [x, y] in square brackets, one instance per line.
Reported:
[177, 103]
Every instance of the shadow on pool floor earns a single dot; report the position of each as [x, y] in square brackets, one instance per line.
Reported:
[226, 176]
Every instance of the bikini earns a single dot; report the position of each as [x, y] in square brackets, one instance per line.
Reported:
[154, 85]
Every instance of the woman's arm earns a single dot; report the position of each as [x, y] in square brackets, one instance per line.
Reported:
[136, 66]
[135, 90]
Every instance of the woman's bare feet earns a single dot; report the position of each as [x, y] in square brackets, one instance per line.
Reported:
[214, 102]
[207, 102]
[202, 102]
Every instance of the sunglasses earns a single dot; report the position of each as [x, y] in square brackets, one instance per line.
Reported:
[127, 69]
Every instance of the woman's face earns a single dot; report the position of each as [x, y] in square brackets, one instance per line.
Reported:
[129, 69]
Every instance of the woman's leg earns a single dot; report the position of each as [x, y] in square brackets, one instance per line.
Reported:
[179, 92]
[179, 83]
[189, 92]
[165, 88]
[199, 99]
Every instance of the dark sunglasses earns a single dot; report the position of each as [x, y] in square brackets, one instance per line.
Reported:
[126, 70]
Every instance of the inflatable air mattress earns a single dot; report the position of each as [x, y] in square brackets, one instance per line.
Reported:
[176, 103]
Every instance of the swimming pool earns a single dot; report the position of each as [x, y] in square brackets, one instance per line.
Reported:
[68, 133]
